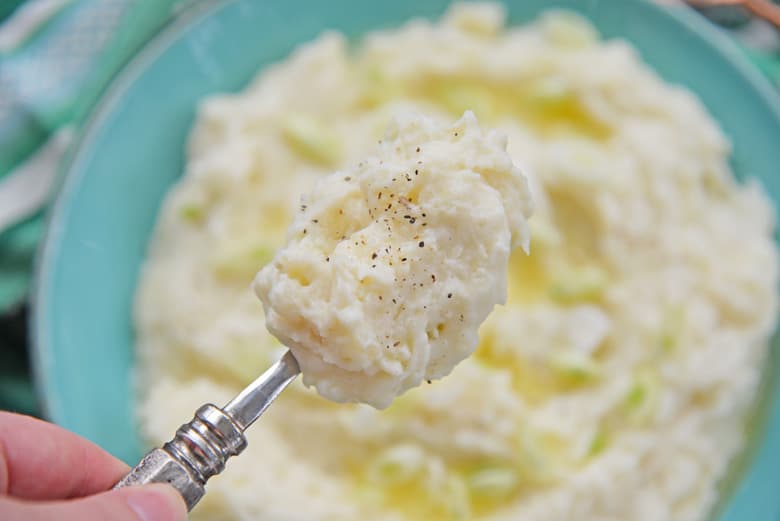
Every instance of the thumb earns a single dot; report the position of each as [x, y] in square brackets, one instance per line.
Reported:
[147, 503]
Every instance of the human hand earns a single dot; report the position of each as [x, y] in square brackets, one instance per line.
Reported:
[48, 473]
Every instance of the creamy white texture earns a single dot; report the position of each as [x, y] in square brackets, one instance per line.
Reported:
[393, 263]
[612, 386]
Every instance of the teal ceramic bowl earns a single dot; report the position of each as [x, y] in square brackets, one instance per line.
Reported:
[133, 150]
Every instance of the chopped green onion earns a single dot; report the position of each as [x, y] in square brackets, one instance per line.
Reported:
[642, 397]
[192, 212]
[543, 232]
[493, 482]
[599, 442]
[586, 283]
[312, 140]
[458, 500]
[575, 367]
[672, 328]
[567, 29]
[396, 465]
[241, 262]
[458, 98]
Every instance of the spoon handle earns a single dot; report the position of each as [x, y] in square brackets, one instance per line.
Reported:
[200, 448]
[255, 399]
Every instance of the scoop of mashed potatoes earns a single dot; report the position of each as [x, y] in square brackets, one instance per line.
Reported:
[391, 265]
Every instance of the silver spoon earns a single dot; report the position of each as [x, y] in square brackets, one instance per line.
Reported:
[201, 447]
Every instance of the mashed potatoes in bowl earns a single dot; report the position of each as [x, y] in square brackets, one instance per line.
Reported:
[616, 381]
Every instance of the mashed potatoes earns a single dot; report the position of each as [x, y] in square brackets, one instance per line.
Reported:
[615, 383]
[392, 264]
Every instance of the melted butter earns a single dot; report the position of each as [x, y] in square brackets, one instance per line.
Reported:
[549, 114]
[548, 111]
[577, 224]
[412, 500]
[530, 278]
[451, 497]
[532, 281]
[540, 458]
[527, 278]
[465, 489]
[535, 382]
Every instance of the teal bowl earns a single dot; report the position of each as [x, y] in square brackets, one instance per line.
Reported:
[133, 150]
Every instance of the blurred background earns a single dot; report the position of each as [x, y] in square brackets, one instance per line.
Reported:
[57, 57]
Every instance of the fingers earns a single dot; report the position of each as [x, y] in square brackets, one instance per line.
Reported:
[147, 503]
[39, 460]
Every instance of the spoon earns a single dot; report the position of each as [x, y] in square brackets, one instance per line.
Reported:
[201, 447]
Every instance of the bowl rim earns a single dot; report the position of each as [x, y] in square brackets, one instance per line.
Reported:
[70, 174]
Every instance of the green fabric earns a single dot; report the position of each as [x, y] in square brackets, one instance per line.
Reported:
[68, 93]
[7, 7]
[16, 391]
[17, 248]
[106, 34]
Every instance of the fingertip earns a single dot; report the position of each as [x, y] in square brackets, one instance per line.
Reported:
[156, 502]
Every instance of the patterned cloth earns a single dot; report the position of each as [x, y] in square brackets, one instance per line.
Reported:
[56, 58]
